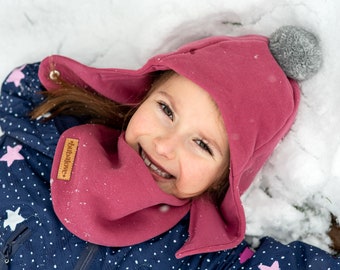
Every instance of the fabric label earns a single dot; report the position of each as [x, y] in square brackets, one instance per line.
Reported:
[67, 159]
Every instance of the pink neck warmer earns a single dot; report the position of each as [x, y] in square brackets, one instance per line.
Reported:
[111, 190]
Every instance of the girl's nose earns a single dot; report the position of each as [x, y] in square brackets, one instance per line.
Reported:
[166, 145]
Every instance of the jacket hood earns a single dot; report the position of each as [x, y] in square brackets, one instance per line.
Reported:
[257, 101]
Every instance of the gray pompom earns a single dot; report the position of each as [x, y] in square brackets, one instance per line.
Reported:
[297, 51]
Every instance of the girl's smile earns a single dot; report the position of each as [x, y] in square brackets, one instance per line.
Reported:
[155, 169]
[180, 135]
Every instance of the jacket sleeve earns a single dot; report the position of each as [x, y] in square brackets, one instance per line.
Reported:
[273, 255]
[19, 96]
[30, 234]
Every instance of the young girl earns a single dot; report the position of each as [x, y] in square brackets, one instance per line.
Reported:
[150, 164]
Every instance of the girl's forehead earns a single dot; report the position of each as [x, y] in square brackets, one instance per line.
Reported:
[188, 92]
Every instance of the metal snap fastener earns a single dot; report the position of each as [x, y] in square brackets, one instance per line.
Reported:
[54, 75]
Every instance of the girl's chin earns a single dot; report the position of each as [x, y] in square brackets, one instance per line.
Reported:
[164, 184]
[167, 186]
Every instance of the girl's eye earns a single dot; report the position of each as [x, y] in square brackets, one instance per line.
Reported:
[204, 146]
[166, 109]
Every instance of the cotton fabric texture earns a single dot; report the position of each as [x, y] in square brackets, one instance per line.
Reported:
[258, 104]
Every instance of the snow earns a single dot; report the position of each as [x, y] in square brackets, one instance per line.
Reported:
[297, 189]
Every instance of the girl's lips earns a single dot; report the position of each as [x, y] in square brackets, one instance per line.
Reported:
[153, 167]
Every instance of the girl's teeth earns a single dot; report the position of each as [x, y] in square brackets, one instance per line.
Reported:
[147, 162]
[153, 167]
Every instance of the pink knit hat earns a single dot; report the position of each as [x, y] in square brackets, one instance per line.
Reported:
[258, 103]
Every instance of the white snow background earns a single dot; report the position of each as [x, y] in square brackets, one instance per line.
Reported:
[300, 185]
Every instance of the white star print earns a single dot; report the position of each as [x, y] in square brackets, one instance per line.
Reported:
[13, 219]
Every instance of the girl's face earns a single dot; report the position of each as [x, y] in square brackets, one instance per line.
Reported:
[180, 135]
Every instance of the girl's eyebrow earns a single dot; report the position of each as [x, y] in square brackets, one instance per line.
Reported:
[215, 145]
[171, 99]
[213, 141]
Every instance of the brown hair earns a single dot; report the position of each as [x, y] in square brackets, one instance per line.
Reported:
[89, 105]
[218, 190]
[94, 108]
[85, 104]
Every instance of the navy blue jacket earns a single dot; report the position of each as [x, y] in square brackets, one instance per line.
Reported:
[31, 236]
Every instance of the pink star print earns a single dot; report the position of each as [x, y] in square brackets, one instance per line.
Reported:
[16, 76]
[12, 155]
[275, 266]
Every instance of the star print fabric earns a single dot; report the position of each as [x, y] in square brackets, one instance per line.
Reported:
[31, 236]
[28, 227]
